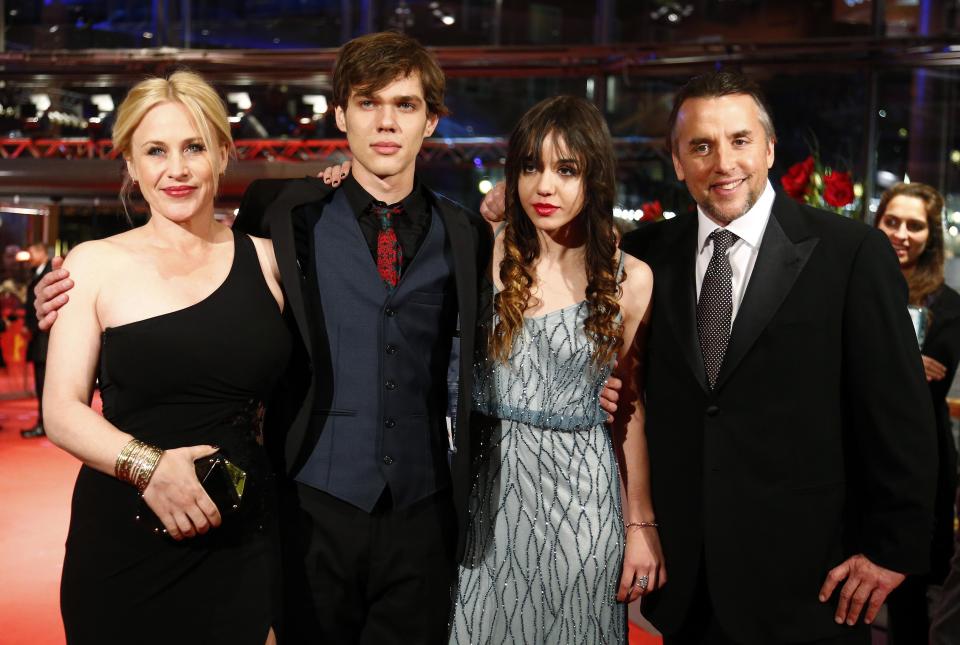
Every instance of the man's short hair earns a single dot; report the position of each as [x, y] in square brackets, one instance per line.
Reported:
[369, 63]
[715, 85]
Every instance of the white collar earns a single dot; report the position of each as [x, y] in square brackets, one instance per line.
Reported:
[748, 227]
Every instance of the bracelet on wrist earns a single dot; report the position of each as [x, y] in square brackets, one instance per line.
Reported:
[136, 463]
[641, 525]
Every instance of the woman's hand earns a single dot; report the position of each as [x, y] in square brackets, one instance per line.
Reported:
[643, 566]
[176, 496]
[934, 369]
[333, 175]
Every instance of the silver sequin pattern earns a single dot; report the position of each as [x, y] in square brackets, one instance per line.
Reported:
[715, 306]
[545, 539]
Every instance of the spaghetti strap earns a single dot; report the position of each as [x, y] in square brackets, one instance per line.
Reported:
[620, 268]
[499, 230]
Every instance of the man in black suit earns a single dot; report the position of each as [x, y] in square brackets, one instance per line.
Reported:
[791, 441]
[381, 282]
[37, 347]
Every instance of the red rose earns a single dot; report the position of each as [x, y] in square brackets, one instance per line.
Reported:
[837, 189]
[652, 210]
[797, 177]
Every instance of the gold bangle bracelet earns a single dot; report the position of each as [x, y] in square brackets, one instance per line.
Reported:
[136, 463]
[124, 459]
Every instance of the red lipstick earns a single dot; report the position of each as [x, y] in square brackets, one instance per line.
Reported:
[544, 209]
[179, 191]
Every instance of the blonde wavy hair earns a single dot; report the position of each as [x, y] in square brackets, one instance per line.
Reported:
[206, 108]
[581, 130]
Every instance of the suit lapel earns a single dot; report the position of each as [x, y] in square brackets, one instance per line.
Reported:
[464, 251]
[280, 224]
[779, 262]
[464, 265]
[678, 291]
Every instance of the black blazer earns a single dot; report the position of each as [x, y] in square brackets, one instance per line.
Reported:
[269, 209]
[818, 441]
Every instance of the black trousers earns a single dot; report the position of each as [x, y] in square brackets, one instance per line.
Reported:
[368, 578]
[703, 628]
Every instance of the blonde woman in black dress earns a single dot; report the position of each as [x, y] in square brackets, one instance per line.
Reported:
[180, 320]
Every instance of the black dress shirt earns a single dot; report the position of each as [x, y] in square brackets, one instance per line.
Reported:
[411, 227]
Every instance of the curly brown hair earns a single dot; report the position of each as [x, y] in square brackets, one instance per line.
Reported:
[578, 127]
[927, 275]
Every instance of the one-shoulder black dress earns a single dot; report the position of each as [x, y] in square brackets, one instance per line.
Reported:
[189, 377]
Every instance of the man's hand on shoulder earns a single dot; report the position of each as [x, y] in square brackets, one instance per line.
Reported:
[866, 584]
[493, 207]
[51, 294]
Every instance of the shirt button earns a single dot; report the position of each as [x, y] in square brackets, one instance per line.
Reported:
[390, 384]
[712, 410]
[390, 312]
[389, 422]
[391, 349]
[388, 460]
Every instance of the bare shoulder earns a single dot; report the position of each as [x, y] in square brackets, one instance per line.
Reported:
[106, 260]
[637, 286]
[94, 257]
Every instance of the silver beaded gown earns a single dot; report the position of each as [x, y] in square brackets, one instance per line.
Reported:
[545, 539]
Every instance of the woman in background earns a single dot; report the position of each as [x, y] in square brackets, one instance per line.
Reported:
[180, 320]
[911, 217]
[550, 548]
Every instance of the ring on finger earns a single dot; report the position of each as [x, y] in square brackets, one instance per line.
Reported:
[643, 582]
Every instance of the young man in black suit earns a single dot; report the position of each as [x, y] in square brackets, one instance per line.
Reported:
[381, 280]
[791, 438]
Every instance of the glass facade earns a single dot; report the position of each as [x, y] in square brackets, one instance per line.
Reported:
[297, 24]
[871, 88]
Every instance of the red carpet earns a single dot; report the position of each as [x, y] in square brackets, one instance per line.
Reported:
[36, 480]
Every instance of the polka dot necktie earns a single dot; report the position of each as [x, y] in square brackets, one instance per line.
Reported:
[715, 307]
[389, 253]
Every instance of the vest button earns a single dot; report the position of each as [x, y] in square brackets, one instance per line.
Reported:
[390, 312]
[712, 410]
[390, 384]
[391, 349]
[388, 460]
[389, 422]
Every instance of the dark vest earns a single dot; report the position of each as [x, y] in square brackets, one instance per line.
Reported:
[385, 425]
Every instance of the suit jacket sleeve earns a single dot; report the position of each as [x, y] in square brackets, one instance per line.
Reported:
[892, 442]
[253, 207]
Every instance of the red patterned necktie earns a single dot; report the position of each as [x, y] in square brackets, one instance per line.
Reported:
[389, 253]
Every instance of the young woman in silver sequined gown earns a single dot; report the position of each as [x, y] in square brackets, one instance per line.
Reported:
[553, 555]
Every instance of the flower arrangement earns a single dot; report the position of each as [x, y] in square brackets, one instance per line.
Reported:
[810, 182]
[652, 211]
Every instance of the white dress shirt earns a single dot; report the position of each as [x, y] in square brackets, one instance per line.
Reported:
[749, 227]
